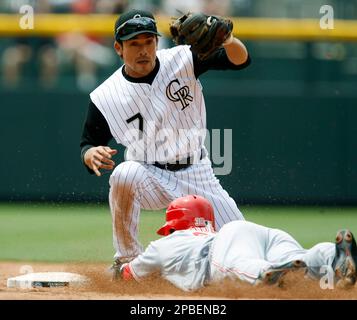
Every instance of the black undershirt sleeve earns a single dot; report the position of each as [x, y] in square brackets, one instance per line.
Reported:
[217, 61]
[95, 132]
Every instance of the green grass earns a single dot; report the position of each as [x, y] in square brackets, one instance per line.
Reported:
[62, 232]
[43, 232]
[308, 225]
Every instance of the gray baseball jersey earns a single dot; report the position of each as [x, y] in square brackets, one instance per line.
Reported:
[182, 258]
[240, 250]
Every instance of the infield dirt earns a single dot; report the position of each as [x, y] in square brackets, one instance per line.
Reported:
[101, 287]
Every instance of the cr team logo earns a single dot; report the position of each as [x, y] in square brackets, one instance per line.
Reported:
[175, 93]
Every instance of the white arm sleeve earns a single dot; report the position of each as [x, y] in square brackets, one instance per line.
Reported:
[146, 263]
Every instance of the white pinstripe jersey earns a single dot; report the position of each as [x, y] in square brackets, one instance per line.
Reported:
[150, 117]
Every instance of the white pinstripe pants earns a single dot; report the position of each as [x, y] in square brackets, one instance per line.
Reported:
[135, 186]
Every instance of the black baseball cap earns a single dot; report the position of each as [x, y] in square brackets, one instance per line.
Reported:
[134, 22]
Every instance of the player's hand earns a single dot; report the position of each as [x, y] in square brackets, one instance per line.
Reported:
[99, 158]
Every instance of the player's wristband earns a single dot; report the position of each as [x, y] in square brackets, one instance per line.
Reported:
[125, 272]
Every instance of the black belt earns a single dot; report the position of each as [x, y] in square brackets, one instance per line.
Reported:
[176, 166]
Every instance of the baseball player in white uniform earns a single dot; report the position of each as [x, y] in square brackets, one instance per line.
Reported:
[153, 105]
[192, 254]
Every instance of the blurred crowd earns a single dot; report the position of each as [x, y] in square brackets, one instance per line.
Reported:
[77, 53]
[84, 56]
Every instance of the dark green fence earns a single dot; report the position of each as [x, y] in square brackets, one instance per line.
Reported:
[294, 136]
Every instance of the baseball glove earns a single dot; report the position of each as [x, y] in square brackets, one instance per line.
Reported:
[204, 33]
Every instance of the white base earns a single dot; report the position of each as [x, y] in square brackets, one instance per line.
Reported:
[46, 279]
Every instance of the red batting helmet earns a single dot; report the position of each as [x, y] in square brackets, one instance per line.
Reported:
[186, 212]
